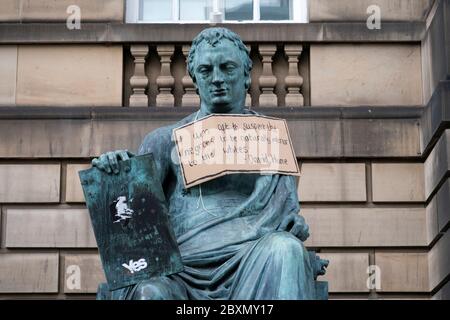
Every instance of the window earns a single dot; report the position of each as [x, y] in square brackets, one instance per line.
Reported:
[185, 11]
[147, 10]
[276, 10]
[239, 10]
[194, 10]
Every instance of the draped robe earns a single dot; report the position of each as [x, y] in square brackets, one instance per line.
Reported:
[229, 238]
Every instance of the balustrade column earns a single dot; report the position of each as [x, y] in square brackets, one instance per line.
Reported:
[267, 80]
[165, 80]
[190, 97]
[294, 80]
[139, 80]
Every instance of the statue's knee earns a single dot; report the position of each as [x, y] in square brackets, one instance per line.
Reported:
[282, 243]
[151, 290]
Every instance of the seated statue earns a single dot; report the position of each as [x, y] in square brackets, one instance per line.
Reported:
[240, 235]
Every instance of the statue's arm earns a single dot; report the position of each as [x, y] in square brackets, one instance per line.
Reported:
[293, 222]
[109, 161]
[158, 142]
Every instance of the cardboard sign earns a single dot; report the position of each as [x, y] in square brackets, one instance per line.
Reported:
[130, 220]
[238, 143]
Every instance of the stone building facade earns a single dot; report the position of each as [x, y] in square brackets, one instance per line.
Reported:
[368, 111]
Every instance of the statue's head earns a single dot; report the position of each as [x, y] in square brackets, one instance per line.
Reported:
[220, 66]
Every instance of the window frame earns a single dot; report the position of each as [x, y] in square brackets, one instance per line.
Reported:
[299, 9]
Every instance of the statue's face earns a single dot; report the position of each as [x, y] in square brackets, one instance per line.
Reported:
[219, 75]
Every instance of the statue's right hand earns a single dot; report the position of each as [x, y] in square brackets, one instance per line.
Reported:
[109, 161]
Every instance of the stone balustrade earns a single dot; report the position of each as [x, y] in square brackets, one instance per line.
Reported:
[157, 76]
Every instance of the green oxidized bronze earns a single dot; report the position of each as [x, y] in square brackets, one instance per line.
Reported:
[244, 239]
[129, 216]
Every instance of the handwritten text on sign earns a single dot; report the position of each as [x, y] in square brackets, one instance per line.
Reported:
[222, 144]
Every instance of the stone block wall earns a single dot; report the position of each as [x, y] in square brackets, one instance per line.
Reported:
[56, 11]
[349, 10]
[61, 75]
[43, 213]
[365, 74]
[372, 139]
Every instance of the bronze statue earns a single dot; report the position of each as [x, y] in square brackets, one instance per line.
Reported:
[240, 235]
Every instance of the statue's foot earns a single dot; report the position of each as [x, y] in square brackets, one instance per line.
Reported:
[160, 288]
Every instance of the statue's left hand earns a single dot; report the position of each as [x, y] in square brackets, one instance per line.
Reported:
[296, 225]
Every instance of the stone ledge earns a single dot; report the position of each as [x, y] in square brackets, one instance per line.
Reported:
[436, 117]
[316, 132]
[443, 206]
[439, 261]
[259, 32]
[437, 164]
[432, 223]
[436, 49]
[144, 113]
[443, 293]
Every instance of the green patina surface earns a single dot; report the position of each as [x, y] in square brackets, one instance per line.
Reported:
[130, 219]
[240, 236]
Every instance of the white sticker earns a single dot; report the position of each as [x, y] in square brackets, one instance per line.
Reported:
[133, 266]
[122, 210]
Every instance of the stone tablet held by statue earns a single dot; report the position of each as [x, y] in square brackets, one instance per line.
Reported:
[130, 219]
